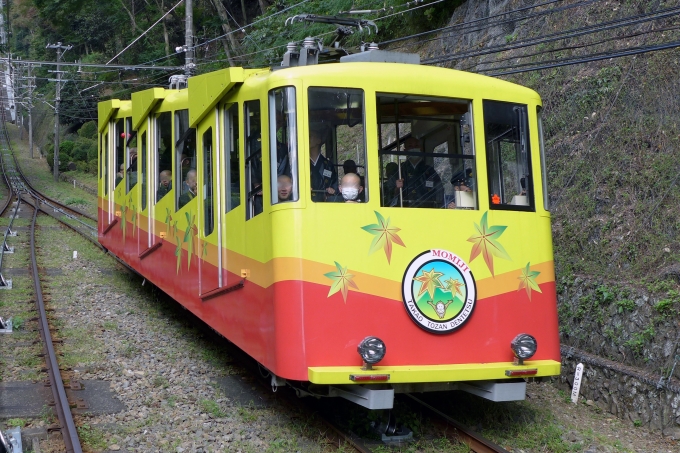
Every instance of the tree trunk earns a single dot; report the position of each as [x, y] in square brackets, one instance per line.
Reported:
[224, 18]
[264, 4]
[132, 17]
[243, 10]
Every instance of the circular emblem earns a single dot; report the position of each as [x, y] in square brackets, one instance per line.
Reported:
[439, 291]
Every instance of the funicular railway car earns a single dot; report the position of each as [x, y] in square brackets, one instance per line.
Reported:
[359, 228]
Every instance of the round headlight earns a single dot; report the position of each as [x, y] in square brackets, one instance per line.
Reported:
[371, 350]
[524, 346]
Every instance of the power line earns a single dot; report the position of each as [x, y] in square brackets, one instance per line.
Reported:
[618, 23]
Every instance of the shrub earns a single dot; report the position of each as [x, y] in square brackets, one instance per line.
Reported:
[88, 130]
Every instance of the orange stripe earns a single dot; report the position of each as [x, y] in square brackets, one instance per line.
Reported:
[291, 269]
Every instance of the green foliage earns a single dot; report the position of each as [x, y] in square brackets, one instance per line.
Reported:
[211, 407]
[625, 305]
[638, 340]
[20, 422]
[66, 147]
[88, 130]
[92, 436]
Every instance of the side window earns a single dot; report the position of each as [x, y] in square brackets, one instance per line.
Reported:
[544, 172]
[131, 147]
[426, 154]
[144, 170]
[231, 161]
[283, 145]
[208, 181]
[253, 163]
[185, 159]
[508, 156]
[105, 163]
[119, 161]
[336, 143]
[163, 157]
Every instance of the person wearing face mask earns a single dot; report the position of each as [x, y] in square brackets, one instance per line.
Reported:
[350, 188]
[421, 186]
[349, 166]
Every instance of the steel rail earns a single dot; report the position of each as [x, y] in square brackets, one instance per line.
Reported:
[476, 442]
[67, 425]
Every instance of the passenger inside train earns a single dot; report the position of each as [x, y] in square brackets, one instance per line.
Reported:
[351, 188]
[424, 142]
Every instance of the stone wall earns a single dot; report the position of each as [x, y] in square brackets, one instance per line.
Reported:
[646, 399]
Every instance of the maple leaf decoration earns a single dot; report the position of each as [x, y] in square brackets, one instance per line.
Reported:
[527, 280]
[453, 286]
[385, 235]
[342, 280]
[486, 243]
[429, 281]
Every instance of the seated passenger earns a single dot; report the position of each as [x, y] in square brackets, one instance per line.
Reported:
[164, 184]
[349, 166]
[351, 188]
[324, 177]
[132, 169]
[119, 175]
[421, 185]
[285, 188]
[191, 192]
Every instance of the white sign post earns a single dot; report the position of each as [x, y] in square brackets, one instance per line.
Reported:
[577, 383]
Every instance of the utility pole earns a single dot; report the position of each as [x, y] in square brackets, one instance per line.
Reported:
[189, 64]
[59, 48]
[31, 86]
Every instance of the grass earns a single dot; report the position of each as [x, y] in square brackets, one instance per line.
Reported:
[92, 437]
[211, 407]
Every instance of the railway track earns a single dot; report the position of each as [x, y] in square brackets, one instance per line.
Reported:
[25, 195]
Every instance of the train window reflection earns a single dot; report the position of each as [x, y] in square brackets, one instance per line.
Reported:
[185, 159]
[231, 161]
[253, 159]
[208, 181]
[105, 163]
[337, 142]
[144, 170]
[426, 153]
[163, 157]
[131, 147]
[508, 157]
[119, 161]
[283, 145]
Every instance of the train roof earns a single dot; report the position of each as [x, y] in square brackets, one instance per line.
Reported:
[208, 89]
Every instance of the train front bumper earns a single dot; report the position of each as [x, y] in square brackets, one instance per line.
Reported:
[434, 373]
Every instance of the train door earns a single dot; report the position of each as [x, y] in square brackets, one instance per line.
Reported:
[231, 225]
[145, 231]
[256, 236]
[210, 254]
[131, 199]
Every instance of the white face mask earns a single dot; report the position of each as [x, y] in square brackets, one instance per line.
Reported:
[350, 193]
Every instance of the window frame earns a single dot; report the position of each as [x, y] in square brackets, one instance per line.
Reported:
[524, 141]
[290, 94]
[249, 156]
[231, 149]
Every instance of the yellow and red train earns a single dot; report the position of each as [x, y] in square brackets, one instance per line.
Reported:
[431, 270]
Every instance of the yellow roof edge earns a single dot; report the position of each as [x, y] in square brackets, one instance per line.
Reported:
[143, 103]
[206, 90]
[105, 110]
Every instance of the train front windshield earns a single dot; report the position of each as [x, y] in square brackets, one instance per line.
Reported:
[426, 152]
